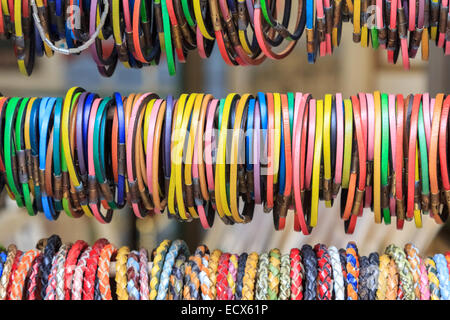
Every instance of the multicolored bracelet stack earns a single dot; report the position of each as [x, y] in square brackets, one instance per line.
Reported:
[196, 156]
[138, 33]
[57, 271]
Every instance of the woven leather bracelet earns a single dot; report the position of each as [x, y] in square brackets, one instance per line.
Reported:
[285, 278]
[261, 277]
[297, 274]
[106, 255]
[52, 247]
[412, 254]
[274, 274]
[404, 269]
[133, 276]
[143, 274]
[240, 275]
[352, 271]
[310, 264]
[91, 269]
[324, 277]
[250, 276]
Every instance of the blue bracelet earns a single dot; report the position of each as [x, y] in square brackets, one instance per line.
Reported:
[249, 136]
[47, 202]
[56, 147]
[443, 275]
[176, 248]
[133, 293]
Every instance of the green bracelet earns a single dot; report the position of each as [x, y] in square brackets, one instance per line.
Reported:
[167, 37]
[9, 150]
[21, 154]
[385, 155]
[423, 157]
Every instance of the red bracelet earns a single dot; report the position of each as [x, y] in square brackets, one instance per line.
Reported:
[32, 285]
[69, 266]
[324, 273]
[222, 274]
[91, 269]
[12, 276]
[399, 164]
[297, 273]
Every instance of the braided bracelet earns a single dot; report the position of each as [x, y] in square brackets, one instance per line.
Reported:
[13, 280]
[121, 273]
[213, 265]
[143, 274]
[106, 255]
[21, 273]
[222, 277]
[343, 258]
[176, 278]
[32, 286]
[352, 271]
[424, 286]
[3, 256]
[363, 291]
[372, 284]
[433, 279]
[412, 254]
[274, 274]
[383, 276]
[56, 279]
[4, 280]
[240, 275]
[285, 278]
[443, 275]
[133, 276]
[77, 284]
[261, 278]
[69, 267]
[338, 280]
[324, 280]
[392, 281]
[176, 248]
[404, 269]
[91, 269]
[232, 276]
[310, 264]
[52, 247]
[158, 263]
[201, 258]
[250, 276]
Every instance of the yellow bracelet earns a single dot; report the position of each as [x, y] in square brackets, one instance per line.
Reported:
[316, 164]
[178, 154]
[377, 159]
[148, 111]
[277, 141]
[121, 273]
[220, 181]
[190, 148]
[200, 22]
[357, 21]
[348, 141]
[158, 263]
[68, 104]
[234, 200]
[115, 13]
[178, 116]
[250, 276]
[327, 150]
[213, 265]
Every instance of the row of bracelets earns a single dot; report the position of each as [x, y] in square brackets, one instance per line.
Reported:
[198, 156]
[57, 271]
[246, 31]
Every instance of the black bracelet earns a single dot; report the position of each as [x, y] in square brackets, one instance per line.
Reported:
[374, 261]
[52, 247]
[240, 275]
[363, 281]
[310, 264]
[343, 258]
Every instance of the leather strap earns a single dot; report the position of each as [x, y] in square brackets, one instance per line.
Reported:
[401, 214]
[316, 165]
[385, 158]
[443, 136]
[377, 159]
[327, 151]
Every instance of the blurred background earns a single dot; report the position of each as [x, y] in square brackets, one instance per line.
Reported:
[351, 69]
